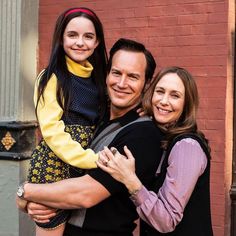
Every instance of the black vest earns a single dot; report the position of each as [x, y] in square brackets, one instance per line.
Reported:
[197, 216]
[84, 106]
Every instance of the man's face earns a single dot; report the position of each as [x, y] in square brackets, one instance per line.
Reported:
[125, 81]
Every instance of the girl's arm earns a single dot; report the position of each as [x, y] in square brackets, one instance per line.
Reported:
[52, 128]
[163, 210]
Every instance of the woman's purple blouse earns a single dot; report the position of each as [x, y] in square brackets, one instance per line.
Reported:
[164, 210]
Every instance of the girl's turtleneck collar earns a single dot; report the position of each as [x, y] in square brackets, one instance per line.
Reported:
[79, 70]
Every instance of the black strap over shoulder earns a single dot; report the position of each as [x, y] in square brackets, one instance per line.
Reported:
[110, 132]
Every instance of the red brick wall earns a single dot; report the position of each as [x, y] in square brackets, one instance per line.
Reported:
[189, 33]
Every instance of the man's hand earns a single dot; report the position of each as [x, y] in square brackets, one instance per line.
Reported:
[40, 213]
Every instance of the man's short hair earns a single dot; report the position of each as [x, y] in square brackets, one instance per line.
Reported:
[133, 46]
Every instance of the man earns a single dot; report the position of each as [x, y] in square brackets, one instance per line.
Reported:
[109, 210]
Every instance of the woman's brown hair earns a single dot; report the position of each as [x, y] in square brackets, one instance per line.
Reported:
[187, 122]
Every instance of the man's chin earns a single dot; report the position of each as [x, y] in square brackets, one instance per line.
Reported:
[123, 107]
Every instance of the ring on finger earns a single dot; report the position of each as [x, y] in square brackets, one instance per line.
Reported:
[105, 163]
[114, 151]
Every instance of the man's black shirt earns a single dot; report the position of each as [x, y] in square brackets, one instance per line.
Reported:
[116, 214]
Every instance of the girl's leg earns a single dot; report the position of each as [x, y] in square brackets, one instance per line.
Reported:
[54, 232]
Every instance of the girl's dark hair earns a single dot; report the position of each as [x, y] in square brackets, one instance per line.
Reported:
[57, 61]
[187, 122]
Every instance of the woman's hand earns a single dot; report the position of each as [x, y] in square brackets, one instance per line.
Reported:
[141, 112]
[121, 168]
[40, 213]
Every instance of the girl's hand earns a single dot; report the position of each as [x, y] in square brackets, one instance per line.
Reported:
[40, 213]
[21, 204]
[121, 168]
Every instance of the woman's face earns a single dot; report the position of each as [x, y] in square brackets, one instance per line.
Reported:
[79, 39]
[168, 99]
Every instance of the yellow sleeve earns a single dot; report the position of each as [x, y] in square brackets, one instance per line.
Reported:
[52, 128]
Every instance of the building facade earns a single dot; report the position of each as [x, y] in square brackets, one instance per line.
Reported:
[196, 34]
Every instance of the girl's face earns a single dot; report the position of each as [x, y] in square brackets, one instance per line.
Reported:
[168, 99]
[79, 39]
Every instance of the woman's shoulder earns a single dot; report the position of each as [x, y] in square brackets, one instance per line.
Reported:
[187, 143]
[190, 140]
[188, 153]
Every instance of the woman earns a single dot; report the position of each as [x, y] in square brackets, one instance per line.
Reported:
[180, 204]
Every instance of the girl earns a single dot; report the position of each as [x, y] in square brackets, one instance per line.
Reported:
[180, 205]
[70, 99]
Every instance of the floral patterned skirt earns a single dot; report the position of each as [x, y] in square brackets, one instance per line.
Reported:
[46, 167]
